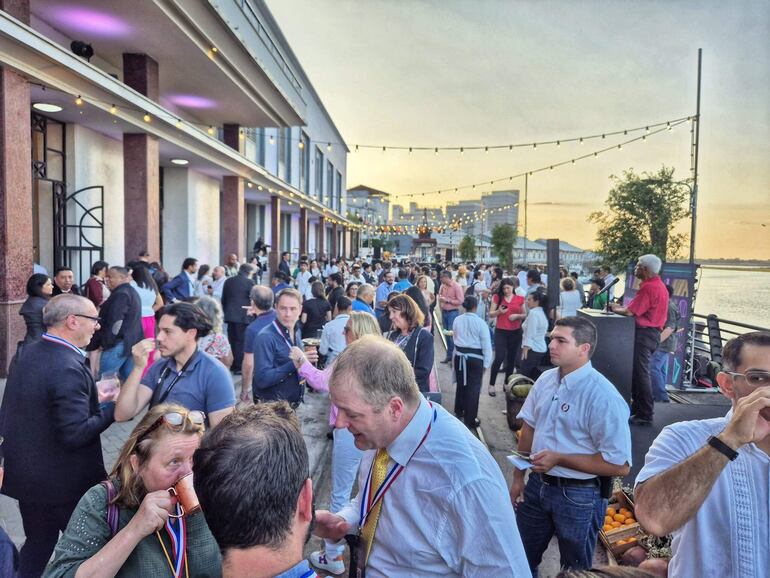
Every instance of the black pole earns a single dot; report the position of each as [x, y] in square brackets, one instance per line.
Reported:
[694, 194]
[526, 194]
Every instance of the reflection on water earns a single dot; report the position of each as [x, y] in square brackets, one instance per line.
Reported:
[736, 295]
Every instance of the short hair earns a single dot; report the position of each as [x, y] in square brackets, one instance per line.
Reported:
[379, 369]
[650, 262]
[285, 253]
[62, 306]
[364, 323]
[289, 292]
[98, 266]
[60, 269]
[246, 269]
[731, 353]
[534, 275]
[262, 297]
[144, 253]
[188, 316]
[344, 303]
[122, 271]
[213, 310]
[599, 281]
[280, 275]
[35, 285]
[402, 274]
[248, 474]
[470, 302]
[574, 275]
[365, 289]
[189, 262]
[583, 330]
[337, 278]
[409, 308]
[607, 269]
[567, 284]
[446, 273]
[317, 290]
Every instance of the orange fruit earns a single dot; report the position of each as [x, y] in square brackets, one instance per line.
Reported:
[619, 518]
[611, 511]
[608, 520]
[616, 524]
[630, 540]
[624, 511]
[607, 527]
[629, 521]
[621, 542]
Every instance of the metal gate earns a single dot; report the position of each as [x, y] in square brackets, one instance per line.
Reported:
[79, 230]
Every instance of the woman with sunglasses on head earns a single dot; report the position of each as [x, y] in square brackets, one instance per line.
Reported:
[131, 524]
[345, 455]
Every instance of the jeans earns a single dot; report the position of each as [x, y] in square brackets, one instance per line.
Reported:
[573, 513]
[42, 524]
[507, 348]
[345, 459]
[658, 375]
[114, 360]
[447, 319]
[646, 341]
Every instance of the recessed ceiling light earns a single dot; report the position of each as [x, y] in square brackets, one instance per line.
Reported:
[180, 162]
[46, 107]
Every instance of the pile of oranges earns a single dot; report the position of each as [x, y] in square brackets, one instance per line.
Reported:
[614, 519]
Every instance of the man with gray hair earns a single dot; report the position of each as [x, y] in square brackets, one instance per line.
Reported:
[649, 307]
[262, 307]
[432, 500]
[51, 418]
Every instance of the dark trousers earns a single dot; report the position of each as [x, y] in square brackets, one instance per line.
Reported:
[507, 346]
[646, 341]
[467, 395]
[529, 365]
[236, 335]
[42, 524]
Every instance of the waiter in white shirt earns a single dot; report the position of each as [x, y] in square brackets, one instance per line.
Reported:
[575, 430]
[333, 335]
[432, 500]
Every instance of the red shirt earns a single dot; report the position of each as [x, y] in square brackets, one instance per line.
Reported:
[650, 305]
[515, 305]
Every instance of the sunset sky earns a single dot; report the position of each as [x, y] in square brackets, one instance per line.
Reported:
[484, 72]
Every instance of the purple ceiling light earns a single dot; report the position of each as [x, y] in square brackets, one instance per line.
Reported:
[93, 22]
[190, 101]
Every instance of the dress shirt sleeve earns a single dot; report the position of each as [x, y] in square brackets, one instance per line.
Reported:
[672, 446]
[478, 537]
[265, 374]
[316, 378]
[351, 512]
[323, 348]
[528, 411]
[609, 430]
[640, 304]
[529, 331]
[486, 344]
[70, 396]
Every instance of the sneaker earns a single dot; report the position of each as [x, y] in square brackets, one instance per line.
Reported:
[335, 566]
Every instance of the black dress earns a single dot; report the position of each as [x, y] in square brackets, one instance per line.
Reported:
[316, 310]
[32, 311]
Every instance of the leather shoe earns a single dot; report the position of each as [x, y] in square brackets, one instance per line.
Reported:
[636, 420]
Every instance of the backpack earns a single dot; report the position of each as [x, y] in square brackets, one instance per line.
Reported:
[469, 289]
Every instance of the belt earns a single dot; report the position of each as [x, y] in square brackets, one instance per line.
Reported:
[561, 482]
[465, 353]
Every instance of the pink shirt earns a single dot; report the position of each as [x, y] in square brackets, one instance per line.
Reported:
[453, 295]
[318, 379]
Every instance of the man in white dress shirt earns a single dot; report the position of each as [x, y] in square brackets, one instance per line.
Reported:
[576, 429]
[333, 334]
[438, 504]
[707, 482]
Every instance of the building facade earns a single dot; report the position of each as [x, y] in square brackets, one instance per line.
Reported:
[369, 204]
[180, 128]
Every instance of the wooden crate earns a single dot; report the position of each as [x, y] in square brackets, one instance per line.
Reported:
[611, 538]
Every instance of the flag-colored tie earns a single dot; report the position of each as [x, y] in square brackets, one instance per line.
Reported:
[379, 471]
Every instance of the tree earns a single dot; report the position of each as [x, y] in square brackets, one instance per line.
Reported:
[503, 240]
[467, 248]
[641, 213]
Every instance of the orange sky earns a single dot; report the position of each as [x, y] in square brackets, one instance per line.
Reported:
[479, 72]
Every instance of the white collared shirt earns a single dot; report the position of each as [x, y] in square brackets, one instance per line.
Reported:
[535, 327]
[448, 513]
[729, 536]
[218, 285]
[469, 330]
[303, 283]
[581, 413]
[333, 337]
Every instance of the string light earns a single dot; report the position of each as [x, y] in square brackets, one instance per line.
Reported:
[242, 135]
[210, 130]
[147, 117]
[113, 109]
[301, 145]
[271, 140]
[79, 101]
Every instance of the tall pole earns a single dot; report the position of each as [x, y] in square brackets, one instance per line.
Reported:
[526, 193]
[694, 194]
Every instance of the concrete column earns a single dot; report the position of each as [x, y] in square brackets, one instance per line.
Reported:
[335, 242]
[321, 235]
[302, 231]
[141, 167]
[233, 202]
[16, 238]
[275, 233]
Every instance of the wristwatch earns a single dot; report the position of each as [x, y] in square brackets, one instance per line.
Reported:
[723, 448]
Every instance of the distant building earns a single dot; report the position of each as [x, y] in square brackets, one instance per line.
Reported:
[415, 213]
[372, 205]
[502, 209]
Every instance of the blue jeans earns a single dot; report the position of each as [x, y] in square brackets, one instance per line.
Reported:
[115, 361]
[658, 367]
[447, 319]
[573, 513]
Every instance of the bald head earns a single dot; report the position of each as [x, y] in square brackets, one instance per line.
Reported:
[262, 297]
[72, 317]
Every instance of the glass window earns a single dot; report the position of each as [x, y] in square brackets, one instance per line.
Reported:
[259, 138]
[282, 155]
[289, 146]
[338, 190]
[330, 185]
[304, 163]
[319, 174]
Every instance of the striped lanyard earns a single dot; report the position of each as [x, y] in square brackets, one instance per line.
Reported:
[178, 536]
[368, 505]
[64, 342]
[279, 329]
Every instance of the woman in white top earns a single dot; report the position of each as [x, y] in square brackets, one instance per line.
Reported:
[535, 326]
[145, 286]
[204, 281]
[569, 299]
[480, 291]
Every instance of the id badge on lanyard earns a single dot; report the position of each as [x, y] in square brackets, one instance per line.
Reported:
[302, 381]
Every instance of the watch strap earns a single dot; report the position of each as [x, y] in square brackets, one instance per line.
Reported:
[723, 448]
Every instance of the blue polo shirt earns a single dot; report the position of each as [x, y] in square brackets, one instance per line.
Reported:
[383, 290]
[205, 385]
[262, 321]
[275, 377]
[359, 305]
[402, 285]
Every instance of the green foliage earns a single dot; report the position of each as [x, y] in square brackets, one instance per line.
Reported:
[503, 240]
[467, 248]
[641, 214]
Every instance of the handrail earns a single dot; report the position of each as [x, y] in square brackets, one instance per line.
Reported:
[736, 323]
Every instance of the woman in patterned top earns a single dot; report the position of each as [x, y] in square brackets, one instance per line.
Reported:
[215, 343]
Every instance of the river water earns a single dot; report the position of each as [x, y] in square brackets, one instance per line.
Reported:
[737, 295]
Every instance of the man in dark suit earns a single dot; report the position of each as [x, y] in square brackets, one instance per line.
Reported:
[51, 418]
[64, 282]
[284, 266]
[235, 298]
[183, 285]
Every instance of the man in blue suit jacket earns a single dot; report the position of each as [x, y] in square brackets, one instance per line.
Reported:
[51, 418]
[183, 285]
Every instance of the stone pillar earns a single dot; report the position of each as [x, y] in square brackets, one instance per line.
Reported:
[335, 242]
[275, 233]
[302, 231]
[16, 238]
[321, 235]
[233, 203]
[141, 168]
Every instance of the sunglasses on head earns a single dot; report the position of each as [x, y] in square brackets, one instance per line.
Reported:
[174, 421]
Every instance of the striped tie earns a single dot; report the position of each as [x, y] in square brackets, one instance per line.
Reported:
[378, 476]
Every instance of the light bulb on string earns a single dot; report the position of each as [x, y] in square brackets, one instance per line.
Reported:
[210, 130]
[113, 109]
[147, 117]
[271, 140]
[79, 101]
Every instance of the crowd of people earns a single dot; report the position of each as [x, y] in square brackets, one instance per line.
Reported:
[431, 499]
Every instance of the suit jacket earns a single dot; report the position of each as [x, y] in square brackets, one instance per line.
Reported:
[75, 290]
[177, 288]
[121, 320]
[51, 421]
[235, 296]
[285, 268]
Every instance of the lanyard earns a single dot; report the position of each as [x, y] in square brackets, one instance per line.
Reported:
[177, 376]
[178, 536]
[64, 342]
[368, 504]
[278, 328]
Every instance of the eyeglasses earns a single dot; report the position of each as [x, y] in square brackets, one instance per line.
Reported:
[754, 378]
[174, 421]
[91, 317]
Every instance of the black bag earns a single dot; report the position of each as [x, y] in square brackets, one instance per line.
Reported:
[469, 289]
